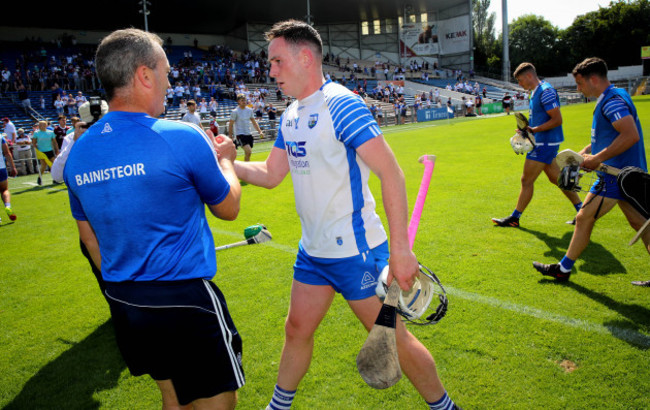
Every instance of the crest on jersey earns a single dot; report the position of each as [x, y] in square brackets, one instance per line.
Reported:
[313, 119]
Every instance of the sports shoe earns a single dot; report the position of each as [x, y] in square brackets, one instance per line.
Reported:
[571, 222]
[552, 270]
[11, 213]
[509, 221]
[644, 283]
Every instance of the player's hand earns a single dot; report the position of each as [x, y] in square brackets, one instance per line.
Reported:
[591, 162]
[225, 148]
[14, 172]
[404, 267]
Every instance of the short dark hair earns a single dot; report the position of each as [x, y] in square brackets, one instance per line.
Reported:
[591, 66]
[524, 68]
[120, 54]
[296, 32]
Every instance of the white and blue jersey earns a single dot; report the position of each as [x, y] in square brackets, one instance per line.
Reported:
[544, 98]
[321, 134]
[614, 104]
[3, 165]
[142, 184]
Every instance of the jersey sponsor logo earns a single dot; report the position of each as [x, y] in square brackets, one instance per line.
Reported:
[297, 151]
[296, 148]
[292, 123]
[368, 280]
[313, 120]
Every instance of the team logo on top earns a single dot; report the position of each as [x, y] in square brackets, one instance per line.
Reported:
[107, 128]
[313, 119]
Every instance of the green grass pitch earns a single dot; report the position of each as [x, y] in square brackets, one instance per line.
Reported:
[511, 339]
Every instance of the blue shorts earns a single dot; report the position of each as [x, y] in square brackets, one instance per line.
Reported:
[543, 153]
[354, 277]
[606, 186]
[3, 175]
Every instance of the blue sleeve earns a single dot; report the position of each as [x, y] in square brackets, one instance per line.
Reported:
[352, 120]
[615, 109]
[75, 206]
[197, 155]
[279, 142]
[549, 99]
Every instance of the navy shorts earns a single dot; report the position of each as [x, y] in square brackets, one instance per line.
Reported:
[3, 174]
[354, 277]
[543, 153]
[178, 330]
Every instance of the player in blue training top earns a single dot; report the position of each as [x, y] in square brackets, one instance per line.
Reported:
[330, 143]
[138, 187]
[545, 123]
[616, 140]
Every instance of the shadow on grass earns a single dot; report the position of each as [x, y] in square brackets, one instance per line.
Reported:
[53, 189]
[596, 259]
[628, 329]
[70, 380]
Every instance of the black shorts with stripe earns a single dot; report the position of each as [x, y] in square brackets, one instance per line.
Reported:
[178, 330]
[245, 140]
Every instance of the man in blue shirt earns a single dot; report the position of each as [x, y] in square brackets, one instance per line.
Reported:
[127, 175]
[545, 123]
[616, 140]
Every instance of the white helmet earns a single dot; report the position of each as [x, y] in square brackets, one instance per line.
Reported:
[413, 304]
[521, 144]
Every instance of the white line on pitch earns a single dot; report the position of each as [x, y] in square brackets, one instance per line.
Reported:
[629, 335]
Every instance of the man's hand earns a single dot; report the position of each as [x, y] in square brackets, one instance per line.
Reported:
[591, 162]
[404, 267]
[14, 171]
[225, 148]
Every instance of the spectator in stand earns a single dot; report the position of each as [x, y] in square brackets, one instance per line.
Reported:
[192, 116]
[271, 111]
[212, 106]
[23, 151]
[79, 100]
[178, 92]
[203, 108]
[380, 115]
[10, 130]
[23, 96]
[59, 105]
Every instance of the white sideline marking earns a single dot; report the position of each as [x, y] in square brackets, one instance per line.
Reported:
[629, 335]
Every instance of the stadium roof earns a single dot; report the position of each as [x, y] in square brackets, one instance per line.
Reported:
[203, 16]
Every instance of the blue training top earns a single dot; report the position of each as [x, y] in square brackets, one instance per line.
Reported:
[614, 104]
[544, 99]
[142, 184]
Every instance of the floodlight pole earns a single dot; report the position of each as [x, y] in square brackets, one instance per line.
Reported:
[506, 47]
[145, 12]
[309, 16]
